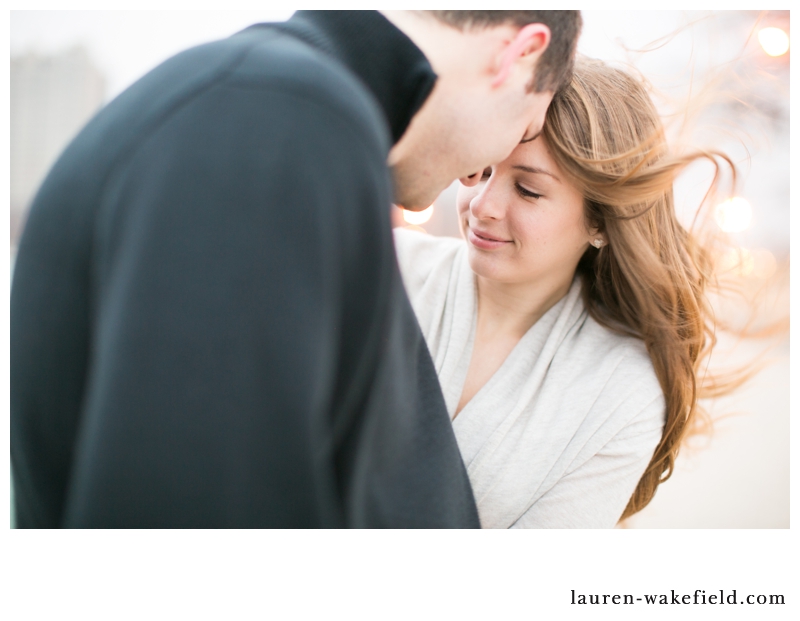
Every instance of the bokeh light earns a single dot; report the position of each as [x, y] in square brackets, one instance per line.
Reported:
[774, 41]
[746, 262]
[737, 262]
[760, 263]
[733, 215]
[418, 217]
[764, 264]
[728, 261]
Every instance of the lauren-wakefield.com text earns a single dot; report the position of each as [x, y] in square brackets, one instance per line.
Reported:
[699, 597]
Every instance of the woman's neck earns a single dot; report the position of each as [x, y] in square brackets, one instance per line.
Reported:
[512, 309]
[505, 313]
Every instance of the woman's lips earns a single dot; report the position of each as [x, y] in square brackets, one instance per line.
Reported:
[484, 241]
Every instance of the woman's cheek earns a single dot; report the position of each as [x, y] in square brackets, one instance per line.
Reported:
[465, 196]
[462, 205]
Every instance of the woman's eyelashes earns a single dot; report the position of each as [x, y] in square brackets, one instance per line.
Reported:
[526, 193]
[487, 172]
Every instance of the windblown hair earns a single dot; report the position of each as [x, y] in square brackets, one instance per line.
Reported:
[650, 280]
[554, 68]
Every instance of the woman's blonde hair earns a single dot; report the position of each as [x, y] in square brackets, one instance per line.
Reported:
[650, 279]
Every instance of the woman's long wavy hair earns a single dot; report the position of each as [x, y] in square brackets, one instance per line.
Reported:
[650, 280]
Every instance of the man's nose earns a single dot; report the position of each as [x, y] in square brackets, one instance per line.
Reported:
[472, 180]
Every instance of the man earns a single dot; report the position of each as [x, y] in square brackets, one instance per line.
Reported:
[208, 325]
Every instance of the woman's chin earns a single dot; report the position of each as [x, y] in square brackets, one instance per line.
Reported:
[491, 267]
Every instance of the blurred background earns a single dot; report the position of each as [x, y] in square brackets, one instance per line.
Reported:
[721, 81]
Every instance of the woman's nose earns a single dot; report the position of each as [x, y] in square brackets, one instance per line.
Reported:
[486, 203]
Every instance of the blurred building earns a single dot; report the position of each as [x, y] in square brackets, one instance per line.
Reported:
[52, 97]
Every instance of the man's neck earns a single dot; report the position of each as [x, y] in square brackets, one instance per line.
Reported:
[386, 60]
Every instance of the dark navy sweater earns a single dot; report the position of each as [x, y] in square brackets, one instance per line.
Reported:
[208, 327]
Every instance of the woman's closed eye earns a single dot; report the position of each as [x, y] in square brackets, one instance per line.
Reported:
[525, 192]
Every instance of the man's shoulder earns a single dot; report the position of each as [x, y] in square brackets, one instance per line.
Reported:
[289, 74]
[282, 63]
[276, 63]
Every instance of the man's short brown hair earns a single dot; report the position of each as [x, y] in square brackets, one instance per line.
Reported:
[554, 69]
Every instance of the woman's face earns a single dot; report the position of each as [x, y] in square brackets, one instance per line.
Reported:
[523, 222]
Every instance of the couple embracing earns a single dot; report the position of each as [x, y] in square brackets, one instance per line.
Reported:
[213, 325]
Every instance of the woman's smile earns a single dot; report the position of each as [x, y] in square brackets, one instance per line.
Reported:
[484, 240]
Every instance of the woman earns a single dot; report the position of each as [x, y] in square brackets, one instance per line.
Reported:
[570, 326]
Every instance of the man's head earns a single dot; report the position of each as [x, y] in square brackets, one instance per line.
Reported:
[498, 71]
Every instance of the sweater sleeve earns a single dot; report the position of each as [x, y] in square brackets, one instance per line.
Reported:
[597, 492]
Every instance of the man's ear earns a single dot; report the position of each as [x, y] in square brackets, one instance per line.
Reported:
[531, 40]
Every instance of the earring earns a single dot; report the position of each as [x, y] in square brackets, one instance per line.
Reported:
[597, 243]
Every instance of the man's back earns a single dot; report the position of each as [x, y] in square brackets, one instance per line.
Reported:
[208, 326]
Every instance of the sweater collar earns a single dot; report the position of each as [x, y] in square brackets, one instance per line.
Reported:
[394, 70]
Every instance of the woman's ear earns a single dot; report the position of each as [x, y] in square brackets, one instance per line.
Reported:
[596, 238]
[531, 40]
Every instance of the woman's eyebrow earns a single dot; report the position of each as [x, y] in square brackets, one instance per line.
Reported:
[536, 171]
